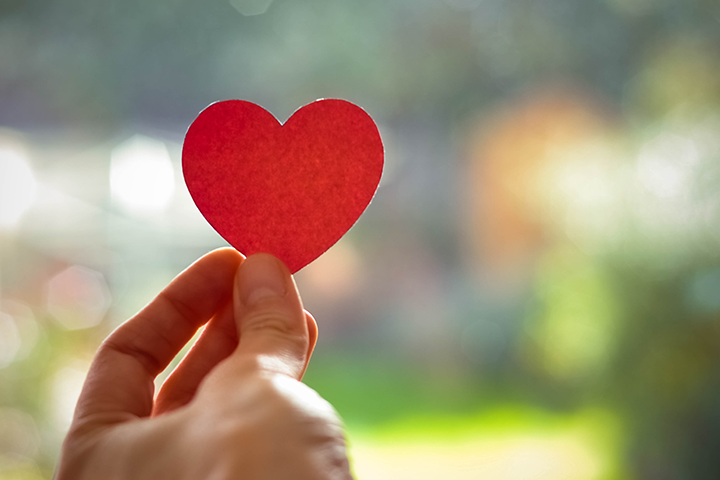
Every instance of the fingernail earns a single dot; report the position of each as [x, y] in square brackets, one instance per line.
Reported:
[260, 277]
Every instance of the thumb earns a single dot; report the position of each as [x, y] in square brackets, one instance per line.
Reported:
[271, 322]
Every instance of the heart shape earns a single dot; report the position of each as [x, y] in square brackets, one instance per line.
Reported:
[291, 190]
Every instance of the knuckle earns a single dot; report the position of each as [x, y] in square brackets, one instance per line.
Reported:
[277, 323]
[280, 416]
[130, 346]
[336, 460]
[305, 403]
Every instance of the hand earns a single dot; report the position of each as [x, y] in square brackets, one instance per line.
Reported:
[234, 408]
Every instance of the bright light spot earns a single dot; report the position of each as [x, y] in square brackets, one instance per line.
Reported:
[142, 179]
[66, 387]
[78, 298]
[17, 186]
[25, 324]
[666, 165]
[9, 340]
[251, 7]
[584, 191]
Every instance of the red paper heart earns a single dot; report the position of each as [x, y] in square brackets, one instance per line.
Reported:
[291, 190]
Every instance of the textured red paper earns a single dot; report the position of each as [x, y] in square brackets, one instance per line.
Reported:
[291, 190]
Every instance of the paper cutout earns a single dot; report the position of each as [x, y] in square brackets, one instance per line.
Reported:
[291, 190]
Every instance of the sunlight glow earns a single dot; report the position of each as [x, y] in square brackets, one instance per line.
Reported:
[666, 165]
[66, 386]
[142, 179]
[19, 331]
[17, 186]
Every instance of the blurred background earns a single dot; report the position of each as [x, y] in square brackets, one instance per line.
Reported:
[534, 292]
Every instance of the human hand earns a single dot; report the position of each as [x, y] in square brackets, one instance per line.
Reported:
[234, 408]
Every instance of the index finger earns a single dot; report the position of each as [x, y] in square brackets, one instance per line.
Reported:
[121, 377]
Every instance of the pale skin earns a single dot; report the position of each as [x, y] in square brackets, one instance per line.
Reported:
[234, 408]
